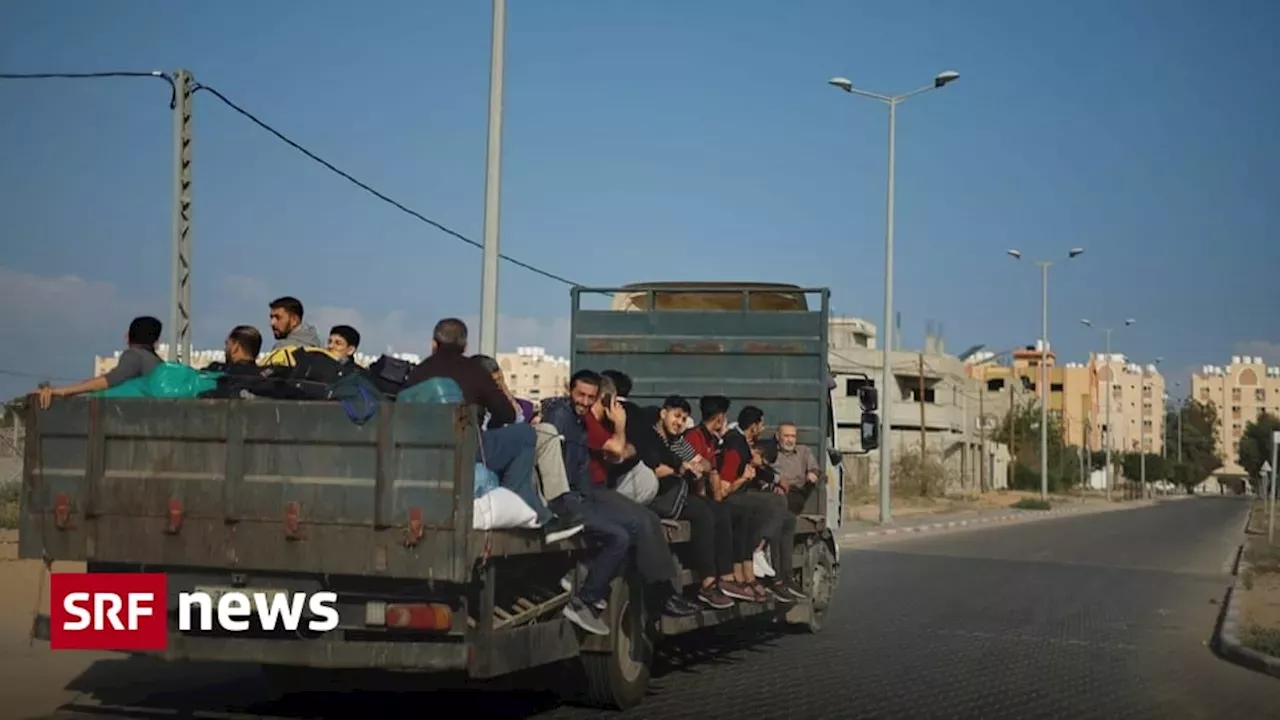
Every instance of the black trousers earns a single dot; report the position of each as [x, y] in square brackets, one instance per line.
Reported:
[748, 522]
[710, 541]
[775, 523]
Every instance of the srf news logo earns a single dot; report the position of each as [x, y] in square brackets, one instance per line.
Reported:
[130, 611]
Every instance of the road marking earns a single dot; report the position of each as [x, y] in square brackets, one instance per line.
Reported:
[1018, 637]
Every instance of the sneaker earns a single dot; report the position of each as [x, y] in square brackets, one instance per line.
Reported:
[780, 594]
[760, 591]
[763, 568]
[558, 528]
[585, 617]
[794, 592]
[712, 596]
[737, 591]
[566, 584]
[676, 606]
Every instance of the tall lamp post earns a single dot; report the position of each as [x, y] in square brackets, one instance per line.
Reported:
[941, 80]
[493, 186]
[1044, 362]
[1142, 430]
[1106, 431]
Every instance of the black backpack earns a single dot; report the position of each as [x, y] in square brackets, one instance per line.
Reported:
[389, 374]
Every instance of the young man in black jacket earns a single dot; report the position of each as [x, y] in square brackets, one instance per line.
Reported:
[609, 517]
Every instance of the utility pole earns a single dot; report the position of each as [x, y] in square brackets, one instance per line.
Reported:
[180, 312]
[1013, 428]
[924, 448]
[982, 440]
[1275, 462]
[492, 187]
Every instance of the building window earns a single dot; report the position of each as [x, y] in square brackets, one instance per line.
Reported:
[1117, 391]
[995, 385]
[1235, 394]
[1204, 394]
[852, 386]
[1055, 387]
[1260, 395]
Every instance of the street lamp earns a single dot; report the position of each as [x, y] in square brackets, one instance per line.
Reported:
[940, 80]
[1106, 435]
[1142, 431]
[492, 186]
[1044, 362]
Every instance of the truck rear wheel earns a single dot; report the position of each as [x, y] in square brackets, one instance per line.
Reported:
[823, 574]
[620, 678]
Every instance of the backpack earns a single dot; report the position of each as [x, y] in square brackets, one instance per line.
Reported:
[360, 398]
[390, 374]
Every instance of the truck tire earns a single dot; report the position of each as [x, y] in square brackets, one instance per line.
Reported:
[619, 678]
[820, 584]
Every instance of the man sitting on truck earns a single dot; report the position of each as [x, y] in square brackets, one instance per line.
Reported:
[752, 521]
[138, 359]
[505, 448]
[674, 500]
[796, 467]
[344, 341]
[287, 325]
[737, 470]
[606, 513]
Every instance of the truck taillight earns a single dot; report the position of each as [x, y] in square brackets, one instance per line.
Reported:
[409, 616]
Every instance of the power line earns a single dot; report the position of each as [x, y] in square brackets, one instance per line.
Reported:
[369, 189]
[173, 89]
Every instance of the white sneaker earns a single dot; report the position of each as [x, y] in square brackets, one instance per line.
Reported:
[762, 566]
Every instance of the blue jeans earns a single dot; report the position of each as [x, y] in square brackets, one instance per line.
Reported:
[508, 451]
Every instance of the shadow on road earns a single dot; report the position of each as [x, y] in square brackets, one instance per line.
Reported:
[141, 687]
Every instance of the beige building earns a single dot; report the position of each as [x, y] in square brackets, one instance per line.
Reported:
[1077, 393]
[533, 374]
[1241, 392]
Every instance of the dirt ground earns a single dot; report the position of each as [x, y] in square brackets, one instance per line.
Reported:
[908, 506]
[1260, 591]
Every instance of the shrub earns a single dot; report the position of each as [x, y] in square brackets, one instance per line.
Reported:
[1032, 504]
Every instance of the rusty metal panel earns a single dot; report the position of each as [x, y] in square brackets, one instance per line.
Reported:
[191, 473]
[775, 359]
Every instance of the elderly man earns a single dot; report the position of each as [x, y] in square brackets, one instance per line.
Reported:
[796, 468]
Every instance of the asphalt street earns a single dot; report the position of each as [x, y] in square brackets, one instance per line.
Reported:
[1094, 616]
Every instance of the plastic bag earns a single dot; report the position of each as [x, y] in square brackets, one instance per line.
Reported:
[437, 390]
[169, 380]
[174, 380]
[501, 509]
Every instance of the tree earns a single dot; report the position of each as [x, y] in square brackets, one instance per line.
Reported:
[1131, 463]
[1199, 451]
[1022, 425]
[1255, 444]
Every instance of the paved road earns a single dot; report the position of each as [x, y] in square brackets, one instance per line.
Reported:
[1097, 616]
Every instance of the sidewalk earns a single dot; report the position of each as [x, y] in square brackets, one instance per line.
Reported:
[1249, 632]
[857, 531]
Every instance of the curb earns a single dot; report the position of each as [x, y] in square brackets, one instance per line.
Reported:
[1227, 643]
[1011, 516]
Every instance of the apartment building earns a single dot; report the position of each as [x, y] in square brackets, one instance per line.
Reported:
[1077, 396]
[532, 373]
[1241, 392]
[934, 403]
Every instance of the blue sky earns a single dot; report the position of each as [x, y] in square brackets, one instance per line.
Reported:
[651, 140]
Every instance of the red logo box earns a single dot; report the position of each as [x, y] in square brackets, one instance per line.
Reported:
[108, 611]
